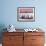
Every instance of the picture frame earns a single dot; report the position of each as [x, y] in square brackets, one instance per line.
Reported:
[26, 14]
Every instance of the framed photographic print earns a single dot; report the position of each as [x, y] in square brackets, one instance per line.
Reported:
[26, 14]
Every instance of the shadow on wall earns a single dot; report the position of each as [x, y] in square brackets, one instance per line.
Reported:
[2, 26]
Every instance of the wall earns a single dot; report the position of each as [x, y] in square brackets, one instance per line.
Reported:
[9, 13]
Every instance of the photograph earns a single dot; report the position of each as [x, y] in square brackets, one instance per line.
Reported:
[26, 14]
